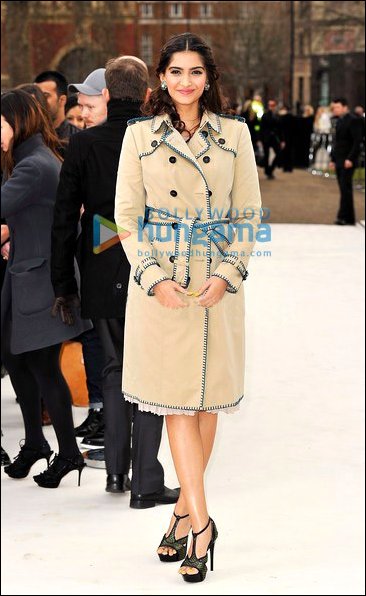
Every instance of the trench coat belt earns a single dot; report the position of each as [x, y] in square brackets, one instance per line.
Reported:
[184, 228]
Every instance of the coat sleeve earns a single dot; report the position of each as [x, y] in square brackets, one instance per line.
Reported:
[129, 216]
[356, 135]
[245, 215]
[21, 188]
[65, 224]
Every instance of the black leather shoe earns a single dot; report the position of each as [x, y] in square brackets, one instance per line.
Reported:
[343, 222]
[117, 483]
[164, 497]
[91, 424]
[95, 439]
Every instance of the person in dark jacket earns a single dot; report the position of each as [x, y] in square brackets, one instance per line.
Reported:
[32, 338]
[272, 137]
[345, 150]
[53, 85]
[88, 177]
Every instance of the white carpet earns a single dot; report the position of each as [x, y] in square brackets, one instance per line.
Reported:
[285, 484]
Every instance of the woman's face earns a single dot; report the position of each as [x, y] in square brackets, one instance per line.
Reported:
[7, 134]
[186, 77]
[74, 117]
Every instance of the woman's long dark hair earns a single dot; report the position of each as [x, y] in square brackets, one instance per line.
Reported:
[212, 100]
[26, 117]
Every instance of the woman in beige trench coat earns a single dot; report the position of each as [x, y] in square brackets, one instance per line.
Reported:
[187, 209]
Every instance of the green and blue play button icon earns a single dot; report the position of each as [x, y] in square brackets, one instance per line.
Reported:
[105, 234]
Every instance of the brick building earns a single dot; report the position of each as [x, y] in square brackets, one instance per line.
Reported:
[329, 57]
[76, 37]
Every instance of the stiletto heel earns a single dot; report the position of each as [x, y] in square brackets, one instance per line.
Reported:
[80, 469]
[25, 459]
[200, 563]
[212, 556]
[170, 541]
[59, 467]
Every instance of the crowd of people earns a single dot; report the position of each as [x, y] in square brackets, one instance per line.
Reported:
[69, 152]
[331, 141]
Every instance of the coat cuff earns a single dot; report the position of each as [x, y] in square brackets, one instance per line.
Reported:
[66, 289]
[233, 271]
[149, 273]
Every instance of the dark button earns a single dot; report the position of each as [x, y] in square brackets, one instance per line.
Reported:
[154, 143]
[118, 286]
[205, 133]
[206, 159]
[210, 193]
[172, 159]
[172, 259]
[173, 193]
[222, 141]
[174, 225]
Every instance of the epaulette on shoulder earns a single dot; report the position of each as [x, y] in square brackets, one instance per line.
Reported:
[233, 117]
[139, 119]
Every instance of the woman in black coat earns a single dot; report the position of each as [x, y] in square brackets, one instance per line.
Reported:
[31, 337]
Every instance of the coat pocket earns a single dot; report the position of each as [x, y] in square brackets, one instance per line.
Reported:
[32, 290]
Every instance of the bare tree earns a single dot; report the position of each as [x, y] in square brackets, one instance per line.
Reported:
[17, 42]
[255, 52]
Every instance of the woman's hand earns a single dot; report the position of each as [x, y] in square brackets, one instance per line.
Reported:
[213, 290]
[4, 233]
[166, 292]
[5, 249]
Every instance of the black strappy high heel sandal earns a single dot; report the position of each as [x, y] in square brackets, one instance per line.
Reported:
[26, 458]
[59, 467]
[200, 563]
[170, 541]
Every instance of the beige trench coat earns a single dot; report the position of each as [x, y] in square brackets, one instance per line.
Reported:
[189, 210]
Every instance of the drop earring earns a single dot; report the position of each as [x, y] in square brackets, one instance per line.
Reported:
[207, 86]
[164, 86]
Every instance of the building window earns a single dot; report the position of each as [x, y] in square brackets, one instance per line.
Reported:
[206, 10]
[176, 10]
[301, 89]
[147, 49]
[301, 44]
[146, 10]
[324, 97]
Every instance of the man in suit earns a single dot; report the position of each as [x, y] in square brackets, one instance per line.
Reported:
[345, 150]
[271, 135]
[88, 178]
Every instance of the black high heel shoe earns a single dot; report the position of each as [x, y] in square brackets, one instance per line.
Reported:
[25, 459]
[59, 467]
[200, 563]
[170, 541]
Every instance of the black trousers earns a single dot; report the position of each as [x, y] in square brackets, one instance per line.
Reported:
[274, 143]
[123, 420]
[346, 208]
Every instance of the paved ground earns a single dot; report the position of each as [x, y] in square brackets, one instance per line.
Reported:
[286, 480]
[300, 197]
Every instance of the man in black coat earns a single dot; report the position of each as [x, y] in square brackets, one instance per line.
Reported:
[345, 150]
[88, 178]
[271, 135]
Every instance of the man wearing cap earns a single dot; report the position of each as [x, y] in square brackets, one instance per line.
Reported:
[88, 177]
[90, 98]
